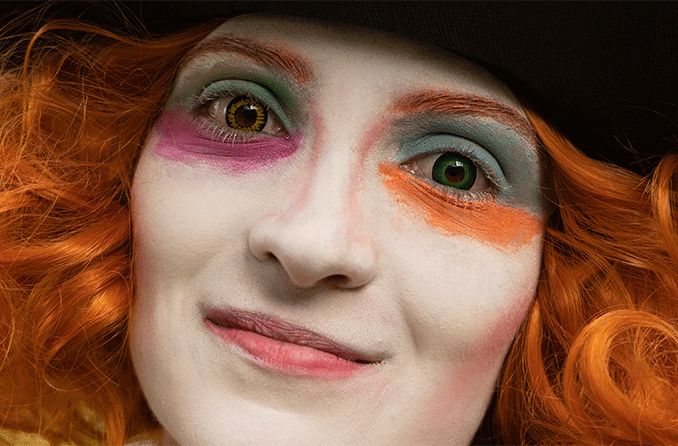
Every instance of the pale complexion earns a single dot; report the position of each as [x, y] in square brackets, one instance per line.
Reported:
[332, 221]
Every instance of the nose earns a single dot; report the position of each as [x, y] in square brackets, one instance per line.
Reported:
[318, 237]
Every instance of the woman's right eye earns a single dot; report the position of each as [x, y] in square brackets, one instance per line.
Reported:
[244, 113]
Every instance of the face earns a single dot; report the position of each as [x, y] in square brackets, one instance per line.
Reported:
[337, 234]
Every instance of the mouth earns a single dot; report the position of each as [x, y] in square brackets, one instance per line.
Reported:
[278, 345]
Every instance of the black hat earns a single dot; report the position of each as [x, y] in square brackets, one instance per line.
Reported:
[605, 73]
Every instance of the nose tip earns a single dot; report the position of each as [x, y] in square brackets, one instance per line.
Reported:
[314, 250]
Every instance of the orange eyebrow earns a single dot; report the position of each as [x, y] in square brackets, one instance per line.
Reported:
[277, 58]
[433, 101]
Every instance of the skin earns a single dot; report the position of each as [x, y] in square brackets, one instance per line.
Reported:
[329, 233]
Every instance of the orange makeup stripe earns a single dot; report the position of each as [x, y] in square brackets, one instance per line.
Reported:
[279, 59]
[500, 225]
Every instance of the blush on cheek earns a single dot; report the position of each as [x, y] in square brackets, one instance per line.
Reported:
[502, 226]
[178, 138]
[467, 382]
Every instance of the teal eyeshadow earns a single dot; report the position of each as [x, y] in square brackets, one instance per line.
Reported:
[235, 87]
[198, 76]
[514, 158]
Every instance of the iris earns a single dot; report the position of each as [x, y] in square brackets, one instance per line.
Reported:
[246, 113]
[454, 170]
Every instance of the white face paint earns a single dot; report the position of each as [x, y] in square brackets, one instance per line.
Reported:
[306, 230]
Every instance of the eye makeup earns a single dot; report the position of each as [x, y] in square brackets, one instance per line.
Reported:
[505, 227]
[507, 217]
[464, 104]
[236, 87]
[181, 138]
[187, 130]
[209, 69]
[510, 163]
[442, 143]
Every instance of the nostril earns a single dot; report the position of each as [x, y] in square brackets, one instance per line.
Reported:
[340, 280]
[270, 256]
[310, 254]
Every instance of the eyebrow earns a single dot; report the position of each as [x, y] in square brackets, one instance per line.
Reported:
[428, 101]
[279, 59]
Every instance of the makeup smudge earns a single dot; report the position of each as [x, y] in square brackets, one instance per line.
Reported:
[502, 226]
[459, 383]
[181, 139]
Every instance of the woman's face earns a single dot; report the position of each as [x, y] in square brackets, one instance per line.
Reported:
[337, 234]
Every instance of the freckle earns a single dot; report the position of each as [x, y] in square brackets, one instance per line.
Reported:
[502, 226]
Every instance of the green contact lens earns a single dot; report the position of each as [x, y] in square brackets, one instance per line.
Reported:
[454, 170]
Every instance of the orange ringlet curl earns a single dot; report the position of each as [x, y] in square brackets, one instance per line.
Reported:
[594, 361]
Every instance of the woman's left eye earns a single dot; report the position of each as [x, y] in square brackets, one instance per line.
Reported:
[450, 169]
[244, 113]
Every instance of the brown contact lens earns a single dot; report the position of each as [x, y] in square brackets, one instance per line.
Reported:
[246, 113]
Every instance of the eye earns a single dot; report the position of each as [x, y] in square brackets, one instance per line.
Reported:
[450, 169]
[244, 113]
[237, 111]
[454, 164]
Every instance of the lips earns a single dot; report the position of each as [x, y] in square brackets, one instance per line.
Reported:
[286, 347]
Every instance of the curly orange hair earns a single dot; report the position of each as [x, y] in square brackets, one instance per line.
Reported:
[595, 361]
[74, 117]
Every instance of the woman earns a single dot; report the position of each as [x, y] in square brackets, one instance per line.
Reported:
[278, 230]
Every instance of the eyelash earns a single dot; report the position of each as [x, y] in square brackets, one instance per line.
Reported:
[486, 171]
[229, 135]
[221, 134]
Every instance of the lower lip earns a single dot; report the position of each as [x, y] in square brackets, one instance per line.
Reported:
[285, 357]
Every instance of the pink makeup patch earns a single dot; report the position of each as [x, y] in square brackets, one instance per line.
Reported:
[182, 139]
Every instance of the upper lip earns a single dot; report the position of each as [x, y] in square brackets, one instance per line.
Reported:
[273, 327]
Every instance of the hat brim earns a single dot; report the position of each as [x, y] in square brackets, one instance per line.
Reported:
[605, 73]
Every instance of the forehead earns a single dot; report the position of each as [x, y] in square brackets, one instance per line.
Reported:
[372, 56]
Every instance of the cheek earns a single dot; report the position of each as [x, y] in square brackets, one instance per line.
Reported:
[465, 385]
[488, 349]
[464, 297]
[182, 217]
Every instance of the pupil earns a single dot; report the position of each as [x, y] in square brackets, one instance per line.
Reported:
[455, 174]
[246, 115]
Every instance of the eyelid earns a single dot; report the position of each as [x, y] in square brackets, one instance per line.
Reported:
[444, 142]
[235, 87]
